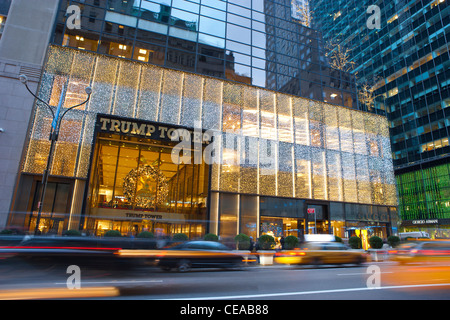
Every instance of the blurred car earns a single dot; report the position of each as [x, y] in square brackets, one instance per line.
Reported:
[53, 251]
[419, 262]
[420, 252]
[199, 254]
[318, 253]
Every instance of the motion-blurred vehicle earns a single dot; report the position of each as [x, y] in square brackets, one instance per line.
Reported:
[422, 252]
[319, 253]
[414, 235]
[419, 262]
[88, 252]
[199, 254]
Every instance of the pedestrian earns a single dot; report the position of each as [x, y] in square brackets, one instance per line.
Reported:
[252, 244]
[282, 242]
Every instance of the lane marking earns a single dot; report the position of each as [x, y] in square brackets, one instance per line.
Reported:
[360, 273]
[116, 282]
[283, 294]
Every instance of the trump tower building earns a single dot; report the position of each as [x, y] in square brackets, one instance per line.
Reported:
[206, 116]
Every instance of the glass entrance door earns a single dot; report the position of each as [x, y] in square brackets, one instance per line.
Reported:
[55, 211]
[136, 186]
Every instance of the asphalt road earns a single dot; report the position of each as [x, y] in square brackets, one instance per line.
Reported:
[284, 283]
[376, 281]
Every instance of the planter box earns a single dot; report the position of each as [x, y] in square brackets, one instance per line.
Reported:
[378, 254]
[266, 257]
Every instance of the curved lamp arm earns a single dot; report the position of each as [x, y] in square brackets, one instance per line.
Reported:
[59, 121]
[88, 91]
[24, 80]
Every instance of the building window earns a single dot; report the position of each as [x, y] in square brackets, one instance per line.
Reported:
[2, 24]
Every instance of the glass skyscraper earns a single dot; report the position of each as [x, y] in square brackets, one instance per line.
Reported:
[249, 41]
[406, 62]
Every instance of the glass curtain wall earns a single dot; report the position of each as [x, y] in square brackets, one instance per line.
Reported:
[261, 43]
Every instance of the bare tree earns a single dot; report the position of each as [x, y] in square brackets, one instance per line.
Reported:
[339, 56]
[366, 91]
[302, 11]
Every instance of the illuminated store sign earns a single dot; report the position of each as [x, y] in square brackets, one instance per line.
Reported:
[151, 130]
[143, 215]
[428, 221]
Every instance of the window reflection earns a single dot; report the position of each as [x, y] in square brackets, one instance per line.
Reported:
[212, 41]
[186, 5]
[80, 42]
[120, 50]
[128, 7]
[153, 12]
[213, 13]
[212, 26]
[238, 33]
[184, 20]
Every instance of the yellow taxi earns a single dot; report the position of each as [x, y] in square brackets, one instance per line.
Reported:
[419, 262]
[319, 253]
[422, 252]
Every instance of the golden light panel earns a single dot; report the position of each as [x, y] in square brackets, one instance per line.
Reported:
[283, 145]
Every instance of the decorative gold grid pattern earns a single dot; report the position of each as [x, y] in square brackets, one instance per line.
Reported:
[317, 150]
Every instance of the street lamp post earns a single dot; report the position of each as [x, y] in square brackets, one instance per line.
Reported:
[54, 132]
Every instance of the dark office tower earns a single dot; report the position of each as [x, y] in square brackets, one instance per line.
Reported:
[409, 55]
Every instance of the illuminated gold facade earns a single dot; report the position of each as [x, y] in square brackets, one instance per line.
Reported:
[304, 149]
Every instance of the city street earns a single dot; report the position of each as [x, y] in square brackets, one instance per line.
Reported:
[273, 282]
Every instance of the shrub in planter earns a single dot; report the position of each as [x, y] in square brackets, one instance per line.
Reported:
[393, 241]
[211, 237]
[72, 233]
[6, 232]
[242, 241]
[266, 242]
[376, 242]
[290, 242]
[337, 239]
[146, 235]
[180, 237]
[355, 242]
[112, 233]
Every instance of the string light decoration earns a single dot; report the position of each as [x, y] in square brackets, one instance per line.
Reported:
[313, 144]
[146, 197]
[366, 91]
